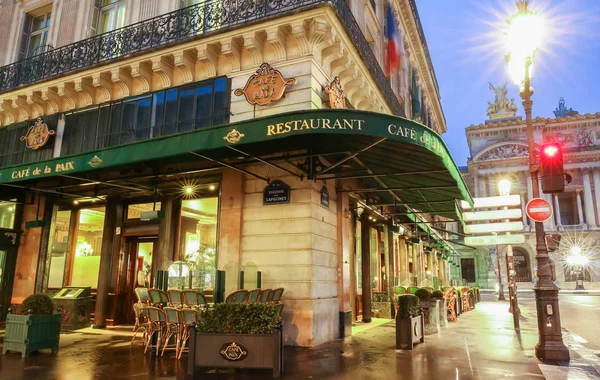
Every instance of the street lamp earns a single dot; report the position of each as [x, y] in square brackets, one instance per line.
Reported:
[578, 261]
[523, 37]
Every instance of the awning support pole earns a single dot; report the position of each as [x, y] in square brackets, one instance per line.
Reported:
[267, 180]
[353, 155]
[266, 162]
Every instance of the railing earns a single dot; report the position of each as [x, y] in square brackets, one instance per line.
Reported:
[178, 26]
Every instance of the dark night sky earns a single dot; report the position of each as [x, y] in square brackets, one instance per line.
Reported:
[465, 39]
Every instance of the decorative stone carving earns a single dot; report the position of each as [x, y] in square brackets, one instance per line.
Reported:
[337, 99]
[559, 138]
[562, 110]
[505, 151]
[502, 106]
[585, 137]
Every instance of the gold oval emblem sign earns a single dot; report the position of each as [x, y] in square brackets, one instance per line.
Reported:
[38, 134]
[266, 86]
[233, 351]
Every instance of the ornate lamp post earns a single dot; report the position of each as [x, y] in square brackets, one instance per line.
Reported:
[577, 261]
[524, 35]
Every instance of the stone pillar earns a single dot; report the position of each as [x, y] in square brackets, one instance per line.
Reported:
[441, 264]
[482, 187]
[590, 218]
[476, 185]
[430, 265]
[365, 242]
[388, 244]
[434, 269]
[167, 228]
[415, 260]
[596, 176]
[529, 190]
[579, 207]
[402, 259]
[557, 212]
[112, 219]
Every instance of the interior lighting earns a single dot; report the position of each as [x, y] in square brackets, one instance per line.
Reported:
[75, 202]
[504, 187]
[212, 187]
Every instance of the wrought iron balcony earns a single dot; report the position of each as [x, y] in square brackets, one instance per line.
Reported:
[175, 27]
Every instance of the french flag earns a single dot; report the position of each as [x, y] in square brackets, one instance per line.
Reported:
[393, 41]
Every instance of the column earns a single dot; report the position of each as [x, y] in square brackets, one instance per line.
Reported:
[476, 185]
[112, 219]
[579, 207]
[596, 176]
[415, 260]
[402, 260]
[590, 218]
[434, 268]
[557, 211]
[523, 203]
[482, 187]
[389, 265]
[365, 241]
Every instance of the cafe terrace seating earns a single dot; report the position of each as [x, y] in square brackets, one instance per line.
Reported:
[165, 318]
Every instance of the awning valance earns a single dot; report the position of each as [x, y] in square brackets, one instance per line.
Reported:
[401, 161]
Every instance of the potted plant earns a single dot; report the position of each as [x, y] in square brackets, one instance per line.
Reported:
[409, 322]
[36, 327]
[431, 310]
[237, 336]
[443, 306]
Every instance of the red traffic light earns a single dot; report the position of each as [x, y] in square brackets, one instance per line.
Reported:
[550, 150]
[551, 169]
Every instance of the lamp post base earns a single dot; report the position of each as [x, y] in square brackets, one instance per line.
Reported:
[550, 345]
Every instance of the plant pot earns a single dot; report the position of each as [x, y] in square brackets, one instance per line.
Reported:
[236, 351]
[386, 309]
[29, 333]
[409, 331]
[431, 311]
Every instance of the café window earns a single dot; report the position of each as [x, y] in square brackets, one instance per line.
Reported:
[135, 210]
[191, 107]
[75, 247]
[198, 239]
[7, 214]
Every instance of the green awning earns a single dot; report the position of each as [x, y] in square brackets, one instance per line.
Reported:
[400, 160]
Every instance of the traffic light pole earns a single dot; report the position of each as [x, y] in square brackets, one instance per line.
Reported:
[550, 345]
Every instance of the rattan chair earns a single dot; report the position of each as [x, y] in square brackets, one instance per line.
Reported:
[399, 290]
[276, 295]
[157, 319]
[239, 296]
[143, 296]
[176, 298]
[173, 329]
[191, 297]
[189, 317]
[139, 323]
[253, 295]
[265, 294]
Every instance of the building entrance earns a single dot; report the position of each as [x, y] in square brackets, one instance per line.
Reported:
[138, 254]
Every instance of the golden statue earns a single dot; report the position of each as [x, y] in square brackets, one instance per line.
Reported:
[502, 106]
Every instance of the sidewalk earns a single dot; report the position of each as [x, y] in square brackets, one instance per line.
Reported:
[480, 345]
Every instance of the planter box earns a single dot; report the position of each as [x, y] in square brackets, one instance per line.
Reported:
[29, 333]
[409, 331]
[236, 351]
[431, 311]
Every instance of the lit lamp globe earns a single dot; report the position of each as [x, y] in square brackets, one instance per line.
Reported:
[179, 273]
[523, 38]
[504, 187]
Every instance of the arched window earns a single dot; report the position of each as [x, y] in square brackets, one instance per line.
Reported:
[522, 265]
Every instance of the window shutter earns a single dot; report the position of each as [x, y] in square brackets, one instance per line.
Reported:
[25, 36]
[94, 19]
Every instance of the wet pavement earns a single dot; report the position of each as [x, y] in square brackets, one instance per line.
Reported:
[481, 345]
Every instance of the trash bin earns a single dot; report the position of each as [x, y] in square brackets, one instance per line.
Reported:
[75, 303]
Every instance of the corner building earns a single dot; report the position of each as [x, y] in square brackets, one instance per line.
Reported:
[239, 136]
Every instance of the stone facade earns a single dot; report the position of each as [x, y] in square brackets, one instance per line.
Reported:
[499, 150]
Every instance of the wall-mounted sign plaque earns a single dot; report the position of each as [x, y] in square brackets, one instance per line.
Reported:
[266, 86]
[324, 196]
[337, 99]
[276, 192]
[233, 351]
[38, 134]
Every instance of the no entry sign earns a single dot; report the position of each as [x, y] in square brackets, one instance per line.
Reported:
[539, 209]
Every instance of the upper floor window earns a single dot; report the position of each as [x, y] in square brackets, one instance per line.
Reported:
[112, 15]
[34, 40]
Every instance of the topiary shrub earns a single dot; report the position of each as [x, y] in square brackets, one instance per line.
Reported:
[438, 294]
[37, 304]
[237, 318]
[408, 306]
[423, 294]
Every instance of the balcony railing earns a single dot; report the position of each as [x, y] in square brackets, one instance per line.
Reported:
[178, 26]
